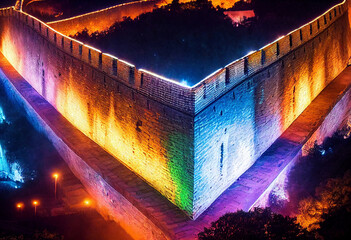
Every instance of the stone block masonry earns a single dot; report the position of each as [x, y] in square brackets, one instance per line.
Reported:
[189, 143]
[235, 125]
[140, 209]
[119, 193]
[117, 111]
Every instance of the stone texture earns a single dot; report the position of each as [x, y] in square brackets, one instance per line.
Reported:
[233, 128]
[190, 144]
[136, 206]
[130, 122]
[119, 194]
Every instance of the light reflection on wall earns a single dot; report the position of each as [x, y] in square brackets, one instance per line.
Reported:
[113, 131]
[319, 80]
[224, 145]
[10, 51]
[69, 103]
[303, 94]
[227, 140]
[280, 95]
[111, 124]
[177, 166]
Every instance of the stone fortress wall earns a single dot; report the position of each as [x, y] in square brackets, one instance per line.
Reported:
[141, 119]
[189, 143]
[103, 19]
[244, 107]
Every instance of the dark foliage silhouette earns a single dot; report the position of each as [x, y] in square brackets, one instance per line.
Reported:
[188, 41]
[336, 224]
[256, 224]
[329, 160]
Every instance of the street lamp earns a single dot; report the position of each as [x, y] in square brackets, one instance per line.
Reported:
[19, 206]
[35, 204]
[55, 176]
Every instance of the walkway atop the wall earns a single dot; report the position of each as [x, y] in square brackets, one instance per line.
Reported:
[241, 195]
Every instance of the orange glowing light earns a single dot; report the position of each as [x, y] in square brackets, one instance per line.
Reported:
[87, 202]
[19, 205]
[55, 175]
[35, 204]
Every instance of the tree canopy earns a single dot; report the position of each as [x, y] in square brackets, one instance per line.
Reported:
[256, 224]
[189, 41]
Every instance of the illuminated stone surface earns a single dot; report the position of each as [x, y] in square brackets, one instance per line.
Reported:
[190, 144]
[146, 129]
[233, 129]
[119, 193]
[141, 210]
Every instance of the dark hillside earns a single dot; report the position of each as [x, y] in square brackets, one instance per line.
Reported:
[189, 41]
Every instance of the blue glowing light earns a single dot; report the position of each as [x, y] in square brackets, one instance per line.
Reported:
[4, 166]
[16, 171]
[322, 152]
[10, 172]
[2, 116]
[330, 150]
[280, 192]
[184, 82]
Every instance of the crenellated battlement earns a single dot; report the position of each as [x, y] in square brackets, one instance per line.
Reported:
[189, 143]
[224, 79]
[204, 92]
[119, 69]
[102, 19]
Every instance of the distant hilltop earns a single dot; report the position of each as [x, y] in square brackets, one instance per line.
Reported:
[221, 3]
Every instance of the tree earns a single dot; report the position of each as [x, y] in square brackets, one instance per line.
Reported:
[256, 224]
[336, 225]
[39, 235]
[175, 4]
[330, 197]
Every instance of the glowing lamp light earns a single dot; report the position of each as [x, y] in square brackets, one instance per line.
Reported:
[87, 202]
[35, 204]
[250, 52]
[184, 82]
[55, 176]
[19, 206]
